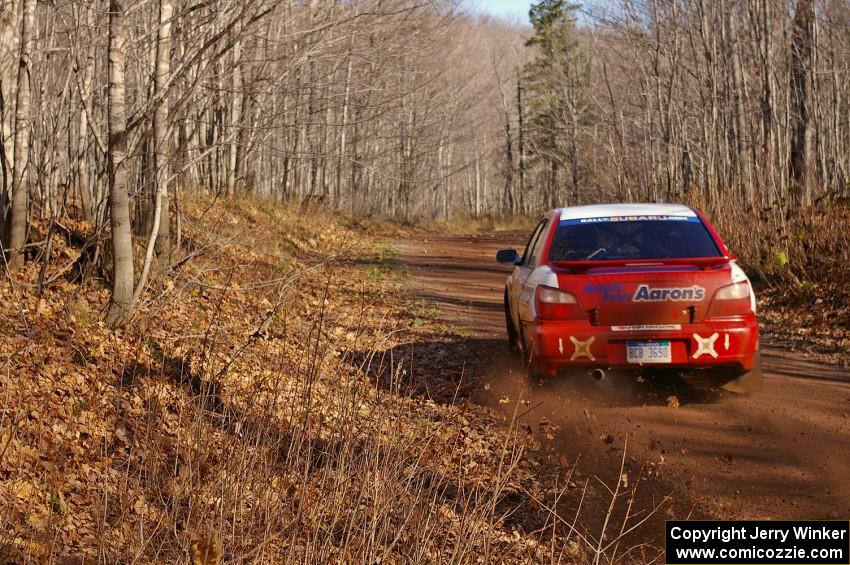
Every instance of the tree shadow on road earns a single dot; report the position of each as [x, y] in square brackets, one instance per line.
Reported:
[443, 370]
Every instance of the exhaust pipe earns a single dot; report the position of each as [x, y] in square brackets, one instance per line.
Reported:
[598, 374]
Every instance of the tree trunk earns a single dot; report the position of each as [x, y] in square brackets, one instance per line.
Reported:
[84, 82]
[573, 153]
[801, 54]
[20, 187]
[119, 200]
[477, 186]
[9, 52]
[162, 249]
[520, 147]
[508, 205]
[346, 101]
[235, 119]
[82, 167]
[736, 76]
[768, 104]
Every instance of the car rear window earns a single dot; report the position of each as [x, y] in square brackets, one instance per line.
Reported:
[632, 237]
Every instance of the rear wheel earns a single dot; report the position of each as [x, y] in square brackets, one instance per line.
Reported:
[749, 381]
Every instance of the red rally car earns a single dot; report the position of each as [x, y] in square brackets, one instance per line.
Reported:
[631, 286]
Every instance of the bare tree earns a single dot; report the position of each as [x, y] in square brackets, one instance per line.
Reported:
[383, 107]
[162, 238]
[116, 170]
[801, 94]
[20, 187]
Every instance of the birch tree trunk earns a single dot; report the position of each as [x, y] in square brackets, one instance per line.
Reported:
[20, 187]
[162, 249]
[119, 200]
[9, 52]
[85, 78]
[82, 166]
[235, 119]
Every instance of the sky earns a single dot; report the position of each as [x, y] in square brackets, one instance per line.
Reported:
[509, 8]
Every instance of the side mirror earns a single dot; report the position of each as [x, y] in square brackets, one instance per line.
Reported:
[507, 257]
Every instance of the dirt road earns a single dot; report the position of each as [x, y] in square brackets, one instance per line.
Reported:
[781, 453]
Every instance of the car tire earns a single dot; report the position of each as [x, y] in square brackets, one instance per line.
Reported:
[748, 381]
[513, 338]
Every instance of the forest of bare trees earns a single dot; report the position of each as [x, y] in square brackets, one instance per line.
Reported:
[112, 110]
[745, 97]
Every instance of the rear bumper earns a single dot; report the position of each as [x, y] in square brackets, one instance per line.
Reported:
[721, 343]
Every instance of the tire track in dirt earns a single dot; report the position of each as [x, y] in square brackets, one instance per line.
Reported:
[780, 453]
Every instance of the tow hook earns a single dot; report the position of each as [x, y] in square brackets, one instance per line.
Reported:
[598, 374]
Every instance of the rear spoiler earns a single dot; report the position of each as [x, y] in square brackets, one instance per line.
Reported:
[704, 263]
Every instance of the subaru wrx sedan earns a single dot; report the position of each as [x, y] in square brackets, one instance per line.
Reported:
[631, 286]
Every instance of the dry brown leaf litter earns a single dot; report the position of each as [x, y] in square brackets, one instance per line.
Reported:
[254, 396]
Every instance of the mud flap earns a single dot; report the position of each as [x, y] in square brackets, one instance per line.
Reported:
[514, 347]
[529, 360]
[532, 366]
[748, 382]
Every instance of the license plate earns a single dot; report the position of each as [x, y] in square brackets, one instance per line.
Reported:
[648, 352]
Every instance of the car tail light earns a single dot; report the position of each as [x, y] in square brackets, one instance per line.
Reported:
[731, 301]
[554, 304]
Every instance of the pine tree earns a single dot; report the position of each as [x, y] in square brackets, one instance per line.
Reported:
[556, 83]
